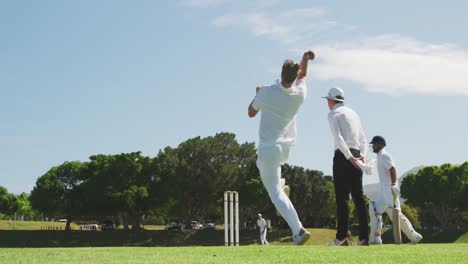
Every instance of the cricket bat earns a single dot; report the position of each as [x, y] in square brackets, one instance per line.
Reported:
[396, 222]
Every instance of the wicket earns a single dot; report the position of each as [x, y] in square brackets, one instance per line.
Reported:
[231, 211]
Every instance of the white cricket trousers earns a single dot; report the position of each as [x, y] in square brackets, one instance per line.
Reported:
[263, 234]
[376, 222]
[270, 158]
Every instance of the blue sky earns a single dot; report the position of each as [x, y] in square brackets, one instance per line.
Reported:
[79, 78]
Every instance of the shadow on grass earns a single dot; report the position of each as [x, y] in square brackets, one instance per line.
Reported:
[21, 238]
[17, 238]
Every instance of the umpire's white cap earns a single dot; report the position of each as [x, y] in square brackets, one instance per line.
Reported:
[335, 94]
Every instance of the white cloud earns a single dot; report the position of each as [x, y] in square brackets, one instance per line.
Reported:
[397, 66]
[387, 64]
[258, 23]
[290, 28]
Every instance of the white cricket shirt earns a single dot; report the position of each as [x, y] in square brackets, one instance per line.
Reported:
[279, 106]
[346, 130]
[261, 223]
[384, 164]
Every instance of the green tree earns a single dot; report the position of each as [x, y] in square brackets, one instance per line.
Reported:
[57, 193]
[167, 191]
[439, 190]
[8, 202]
[186, 182]
[312, 195]
[201, 169]
[25, 208]
[121, 185]
[194, 176]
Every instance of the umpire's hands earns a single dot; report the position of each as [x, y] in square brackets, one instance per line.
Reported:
[353, 161]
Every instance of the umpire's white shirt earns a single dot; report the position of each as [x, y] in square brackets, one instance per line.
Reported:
[346, 129]
[278, 107]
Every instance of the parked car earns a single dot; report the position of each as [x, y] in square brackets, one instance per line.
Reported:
[108, 225]
[195, 225]
[174, 226]
[209, 225]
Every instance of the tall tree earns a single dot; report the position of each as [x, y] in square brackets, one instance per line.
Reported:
[312, 195]
[24, 206]
[57, 192]
[205, 169]
[8, 202]
[440, 190]
[122, 184]
[195, 175]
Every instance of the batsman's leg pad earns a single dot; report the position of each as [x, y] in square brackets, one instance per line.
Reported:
[378, 230]
[407, 227]
[375, 222]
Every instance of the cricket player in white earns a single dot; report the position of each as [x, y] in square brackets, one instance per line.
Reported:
[262, 225]
[279, 104]
[384, 200]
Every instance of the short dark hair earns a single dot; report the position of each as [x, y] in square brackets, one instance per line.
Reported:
[289, 72]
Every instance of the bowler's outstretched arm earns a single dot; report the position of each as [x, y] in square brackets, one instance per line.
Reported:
[309, 55]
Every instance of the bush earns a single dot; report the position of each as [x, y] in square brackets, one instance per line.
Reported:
[412, 215]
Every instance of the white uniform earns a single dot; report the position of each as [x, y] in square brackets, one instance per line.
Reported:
[278, 106]
[263, 230]
[346, 130]
[384, 198]
[384, 202]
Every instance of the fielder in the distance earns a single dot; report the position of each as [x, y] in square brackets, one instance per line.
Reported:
[387, 195]
[279, 104]
[262, 226]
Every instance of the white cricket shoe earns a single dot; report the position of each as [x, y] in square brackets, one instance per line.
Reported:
[376, 241]
[337, 242]
[416, 238]
[301, 237]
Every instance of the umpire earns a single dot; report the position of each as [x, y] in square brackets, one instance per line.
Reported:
[350, 146]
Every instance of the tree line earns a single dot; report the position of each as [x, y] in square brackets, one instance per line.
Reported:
[440, 193]
[187, 183]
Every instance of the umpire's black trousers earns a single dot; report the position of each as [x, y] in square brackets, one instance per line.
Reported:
[348, 179]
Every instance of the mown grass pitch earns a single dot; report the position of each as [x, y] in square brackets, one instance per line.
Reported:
[429, 253]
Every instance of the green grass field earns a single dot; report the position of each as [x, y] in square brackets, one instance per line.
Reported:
[462, 239]
[32, 225]
[429, 253]
[27, 243]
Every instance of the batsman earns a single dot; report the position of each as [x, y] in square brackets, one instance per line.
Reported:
[387, 199]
